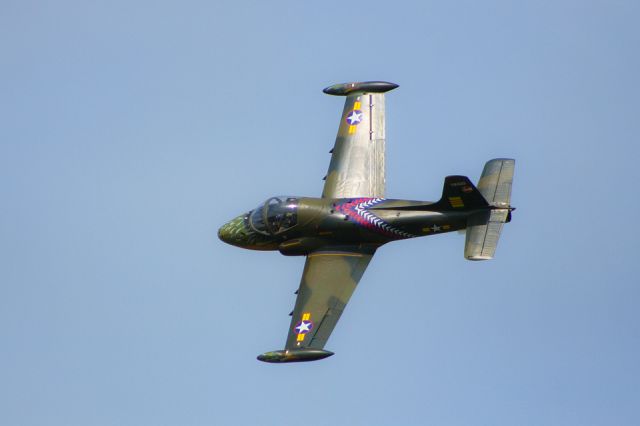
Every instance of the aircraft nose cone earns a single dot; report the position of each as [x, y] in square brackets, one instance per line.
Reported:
[234, 232]
[224, 233]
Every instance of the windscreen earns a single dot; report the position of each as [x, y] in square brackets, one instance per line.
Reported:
[276, 215]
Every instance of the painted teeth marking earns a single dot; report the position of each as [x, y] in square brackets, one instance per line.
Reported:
[360, 206]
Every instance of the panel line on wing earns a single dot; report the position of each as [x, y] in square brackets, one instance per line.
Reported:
[370, 118]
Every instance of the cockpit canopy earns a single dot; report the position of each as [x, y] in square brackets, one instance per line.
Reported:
[275, 216]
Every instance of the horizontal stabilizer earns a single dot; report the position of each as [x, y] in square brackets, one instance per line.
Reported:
[484, 228]
[495, 182]
[482, 234]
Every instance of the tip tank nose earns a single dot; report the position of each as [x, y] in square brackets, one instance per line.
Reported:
[223, 232]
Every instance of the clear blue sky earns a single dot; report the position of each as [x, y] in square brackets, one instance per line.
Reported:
[130, 131]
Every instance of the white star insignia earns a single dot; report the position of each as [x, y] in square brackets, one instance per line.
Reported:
[435, 228]
[303, 327]
[354, 118]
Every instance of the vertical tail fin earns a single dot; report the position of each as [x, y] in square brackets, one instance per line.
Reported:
[458, 193]
[484, 228]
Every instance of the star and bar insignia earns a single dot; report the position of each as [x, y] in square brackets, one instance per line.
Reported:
[355, 117]
[304, 326]
[435, 228]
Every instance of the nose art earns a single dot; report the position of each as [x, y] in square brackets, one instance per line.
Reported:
[223, 232]
[234, 231]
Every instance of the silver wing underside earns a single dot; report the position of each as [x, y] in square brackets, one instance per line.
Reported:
[357, 167]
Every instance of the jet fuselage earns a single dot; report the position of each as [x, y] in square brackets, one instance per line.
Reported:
[297, 226]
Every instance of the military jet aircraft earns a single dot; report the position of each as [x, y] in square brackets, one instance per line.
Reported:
[340, 231]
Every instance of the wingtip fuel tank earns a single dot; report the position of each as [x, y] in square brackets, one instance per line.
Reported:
[345, 89]
[294, 355]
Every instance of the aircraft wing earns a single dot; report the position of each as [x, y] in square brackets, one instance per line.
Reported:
[328, 281]
[357, 163]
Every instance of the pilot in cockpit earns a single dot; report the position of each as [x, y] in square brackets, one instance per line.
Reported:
[275, 216]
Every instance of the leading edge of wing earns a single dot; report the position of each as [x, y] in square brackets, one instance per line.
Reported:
[328, 281]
